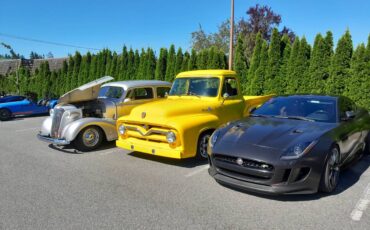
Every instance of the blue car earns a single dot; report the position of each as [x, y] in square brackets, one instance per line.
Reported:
[11, 98]
[25, 107]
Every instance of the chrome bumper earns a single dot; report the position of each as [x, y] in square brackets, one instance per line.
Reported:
[52, 140]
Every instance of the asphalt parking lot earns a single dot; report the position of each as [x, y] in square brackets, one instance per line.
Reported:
[42, 187]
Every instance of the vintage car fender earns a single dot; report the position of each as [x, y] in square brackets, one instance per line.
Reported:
[190, 128]
[71, 131]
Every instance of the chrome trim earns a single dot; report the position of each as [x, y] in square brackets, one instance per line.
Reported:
[52, 140]
[147, 133]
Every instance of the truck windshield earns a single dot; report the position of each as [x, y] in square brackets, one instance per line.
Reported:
[195, 86]
[110, 92]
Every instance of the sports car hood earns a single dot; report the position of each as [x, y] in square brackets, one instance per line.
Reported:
[86, 92]
[162, 111]
[271, 133]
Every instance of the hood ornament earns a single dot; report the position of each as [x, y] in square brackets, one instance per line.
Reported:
[143, 115]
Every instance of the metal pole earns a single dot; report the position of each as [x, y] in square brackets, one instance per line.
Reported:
[231, 49]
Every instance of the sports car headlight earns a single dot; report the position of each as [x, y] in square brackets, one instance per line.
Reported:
[122, 129]
[171, 137]
[298, 150]
[214, 138]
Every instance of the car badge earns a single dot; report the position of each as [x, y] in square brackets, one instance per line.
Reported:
[239, 161]
[143, 115]
[146, 127]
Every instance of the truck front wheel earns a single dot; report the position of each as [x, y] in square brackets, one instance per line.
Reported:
[203, 145]
[88, 139]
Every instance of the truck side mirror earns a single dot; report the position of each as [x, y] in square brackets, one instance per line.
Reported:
[225, 96]
[126, 100]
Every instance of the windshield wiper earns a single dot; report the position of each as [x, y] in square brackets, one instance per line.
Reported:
[295, 118]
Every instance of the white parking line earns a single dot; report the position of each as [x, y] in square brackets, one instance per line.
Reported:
[361, 205]
[199, 170]
[23, 130]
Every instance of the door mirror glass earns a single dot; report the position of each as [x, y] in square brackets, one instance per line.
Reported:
[350, 114]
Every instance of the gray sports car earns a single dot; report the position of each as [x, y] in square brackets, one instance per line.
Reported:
[290, 144]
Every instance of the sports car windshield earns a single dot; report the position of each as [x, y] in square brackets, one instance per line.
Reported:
[195, 86]
[300, 108]
[110, 92]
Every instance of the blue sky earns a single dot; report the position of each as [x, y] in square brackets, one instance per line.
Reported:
[158, 23]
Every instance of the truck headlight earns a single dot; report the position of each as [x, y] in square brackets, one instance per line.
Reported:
[171, 137]
[298, 150]
[122, 129]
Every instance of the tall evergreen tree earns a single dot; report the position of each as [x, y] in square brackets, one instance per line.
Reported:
[240, 63]
[193, 60]
[256, 59]
[273, 66]
[340, 66]
[281, 78]
[257, 80]
[171, 62]
[150, 65]
[185, 62]
[357, 86]
[76, 68]
[178, 61]
[160, 70]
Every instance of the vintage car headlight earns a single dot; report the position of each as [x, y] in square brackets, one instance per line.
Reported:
[122, 129]
[213, 139]
[51, 112]
[298, 150]
[171, 137]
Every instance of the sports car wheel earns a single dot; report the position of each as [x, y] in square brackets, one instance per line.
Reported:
[203, 146]
[88, 139]
[330, 174]
[5, 114]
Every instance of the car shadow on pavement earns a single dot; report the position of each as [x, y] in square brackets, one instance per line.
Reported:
[348, 178]
[71, 150]
[186, 163]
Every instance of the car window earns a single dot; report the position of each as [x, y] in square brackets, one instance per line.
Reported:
[141, 94]
[162, 91]
[195, 86]
[230, 87]
[110, 92]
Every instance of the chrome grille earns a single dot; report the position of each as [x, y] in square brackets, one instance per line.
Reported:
[56, 118]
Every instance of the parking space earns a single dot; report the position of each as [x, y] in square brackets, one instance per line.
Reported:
[43, 187]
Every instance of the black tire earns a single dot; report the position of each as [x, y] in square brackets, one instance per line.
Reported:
[5, 114]
[203, 146]
[331, 172]
[88, 139]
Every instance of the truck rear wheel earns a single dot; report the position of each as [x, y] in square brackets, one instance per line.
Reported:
[202, 147]
[88, 139]
[5, 114]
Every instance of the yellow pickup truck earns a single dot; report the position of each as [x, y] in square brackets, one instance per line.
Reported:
[181, 125]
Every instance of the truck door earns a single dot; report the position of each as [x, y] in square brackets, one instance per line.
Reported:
[233, 104]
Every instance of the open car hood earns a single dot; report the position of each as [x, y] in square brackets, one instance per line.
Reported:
[86, 92]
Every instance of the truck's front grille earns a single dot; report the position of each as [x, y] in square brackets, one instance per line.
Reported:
[56, 118]
[147, 132]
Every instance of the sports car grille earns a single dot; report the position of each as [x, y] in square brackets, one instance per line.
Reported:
[56, 119]
[246, 162]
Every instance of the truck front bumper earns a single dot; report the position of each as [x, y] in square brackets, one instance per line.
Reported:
[152, 148]
[53, 141]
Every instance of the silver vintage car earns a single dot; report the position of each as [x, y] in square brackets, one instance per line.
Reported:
[86, 116]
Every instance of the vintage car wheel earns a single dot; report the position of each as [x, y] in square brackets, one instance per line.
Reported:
[203, 146]
[330, 174]
[5, 114]
[88, 139]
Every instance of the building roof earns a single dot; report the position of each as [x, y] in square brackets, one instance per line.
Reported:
[8, 66]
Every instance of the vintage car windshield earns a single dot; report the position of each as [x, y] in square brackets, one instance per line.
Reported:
[111, 92]
[310, 109]
[195, 86]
